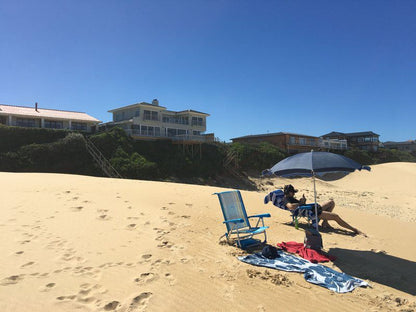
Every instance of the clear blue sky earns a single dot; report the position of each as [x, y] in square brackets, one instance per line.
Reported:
[308, 67]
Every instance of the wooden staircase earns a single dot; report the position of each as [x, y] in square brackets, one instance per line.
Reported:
[101, 161]
[230, 163]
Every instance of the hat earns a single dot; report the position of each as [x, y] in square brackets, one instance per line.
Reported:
[289, 188]
[269, 252]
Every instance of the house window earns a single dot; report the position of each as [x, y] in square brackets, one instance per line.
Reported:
[150, 115]
[150, 131]
[137, 113]
[302, 141]
[181, 132]
[54, 124]
[144, 130]
[171, 132]
[196, 132]
[25, 122]
[292, 140]
[157, 131]
[197, 121]
[79, 126]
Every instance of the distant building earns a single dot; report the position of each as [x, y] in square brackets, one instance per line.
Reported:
[150, 121]
[408, 146]
[290, 142]
[333, 144]
[367, 140]
[35, 117]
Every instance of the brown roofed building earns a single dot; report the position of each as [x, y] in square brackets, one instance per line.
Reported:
[366, 140]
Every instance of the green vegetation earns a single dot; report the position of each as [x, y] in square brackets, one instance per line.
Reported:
[60, 151]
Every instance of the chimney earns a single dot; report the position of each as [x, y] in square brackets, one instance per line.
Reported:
[36, 106]
[155, 102]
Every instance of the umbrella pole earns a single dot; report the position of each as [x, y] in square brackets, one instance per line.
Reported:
[316, 205]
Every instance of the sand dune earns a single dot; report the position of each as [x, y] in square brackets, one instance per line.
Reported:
[95, 244]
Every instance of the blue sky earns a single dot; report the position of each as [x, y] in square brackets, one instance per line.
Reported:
[308, 67]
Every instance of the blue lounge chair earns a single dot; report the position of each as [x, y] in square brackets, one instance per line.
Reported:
[305, 211]
[237, 221]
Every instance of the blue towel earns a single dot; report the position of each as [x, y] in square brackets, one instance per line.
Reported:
[314, 273]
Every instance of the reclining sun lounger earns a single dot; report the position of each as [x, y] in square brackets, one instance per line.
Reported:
[305, 211]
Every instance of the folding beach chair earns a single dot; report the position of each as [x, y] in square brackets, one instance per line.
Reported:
[305, 211]
[237, 222]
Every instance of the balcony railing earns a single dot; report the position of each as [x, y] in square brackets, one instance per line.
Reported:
[180, 137]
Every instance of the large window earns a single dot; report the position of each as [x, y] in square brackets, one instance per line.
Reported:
[26, 122]
[181, 120]
[79, 126]
[150, 115]
[54, 124]
[197, 121]
[292, 140]
[172, 132]
[302, 141]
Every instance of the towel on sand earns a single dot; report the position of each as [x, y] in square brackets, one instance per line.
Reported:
[313, 273]
[312, 255]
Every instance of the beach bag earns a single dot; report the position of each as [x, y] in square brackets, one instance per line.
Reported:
[269, 252]
[313, 239]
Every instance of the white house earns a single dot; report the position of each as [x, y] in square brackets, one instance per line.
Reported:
[35, 117]
[152, 121]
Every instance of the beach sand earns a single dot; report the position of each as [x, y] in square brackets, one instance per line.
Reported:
[78, 243]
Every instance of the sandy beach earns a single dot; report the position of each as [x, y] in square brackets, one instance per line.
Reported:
[78, 243]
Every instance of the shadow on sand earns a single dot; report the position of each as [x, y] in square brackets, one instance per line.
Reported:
[378, 267]
[304, 226]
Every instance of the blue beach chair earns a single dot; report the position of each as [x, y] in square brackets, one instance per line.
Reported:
[237, 221]
[305, 211]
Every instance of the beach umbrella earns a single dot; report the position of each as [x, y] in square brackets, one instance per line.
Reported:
[322, 165]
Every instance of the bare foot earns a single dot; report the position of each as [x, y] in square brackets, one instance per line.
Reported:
[326, 225]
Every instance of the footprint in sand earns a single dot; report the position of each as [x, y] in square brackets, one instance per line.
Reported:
[47, 287]
[19, 252]
[165, 244]
[14, 279]
[111, 305]
[146, 277]
[146, 256]
[79, 208]
[27, 264]
[140, 302]
[104, 217]
[131, 226]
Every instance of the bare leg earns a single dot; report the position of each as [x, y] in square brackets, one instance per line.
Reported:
[326, 216]
[328, 206]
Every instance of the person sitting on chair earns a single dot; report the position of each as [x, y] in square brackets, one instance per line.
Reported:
[324, 212]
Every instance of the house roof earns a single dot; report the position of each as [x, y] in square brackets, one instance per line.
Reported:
[135, 105]
[273, 134]
[25, 111]
[190, 111]
[157, 106]
[335, 133]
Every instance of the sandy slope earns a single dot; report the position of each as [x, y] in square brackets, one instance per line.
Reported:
[76, 243]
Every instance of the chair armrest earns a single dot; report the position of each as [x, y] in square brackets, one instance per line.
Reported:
[307, 206]
[264, 215]
[234, 221]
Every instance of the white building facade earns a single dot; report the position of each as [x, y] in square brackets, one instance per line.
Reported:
[35, 117]
[152, 121]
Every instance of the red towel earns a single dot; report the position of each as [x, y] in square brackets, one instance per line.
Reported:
[306, 253]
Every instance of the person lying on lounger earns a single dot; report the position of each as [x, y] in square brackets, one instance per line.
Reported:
[324, 211]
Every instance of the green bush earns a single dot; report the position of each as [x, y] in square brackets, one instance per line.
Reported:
[258, 156]
[12, 138]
